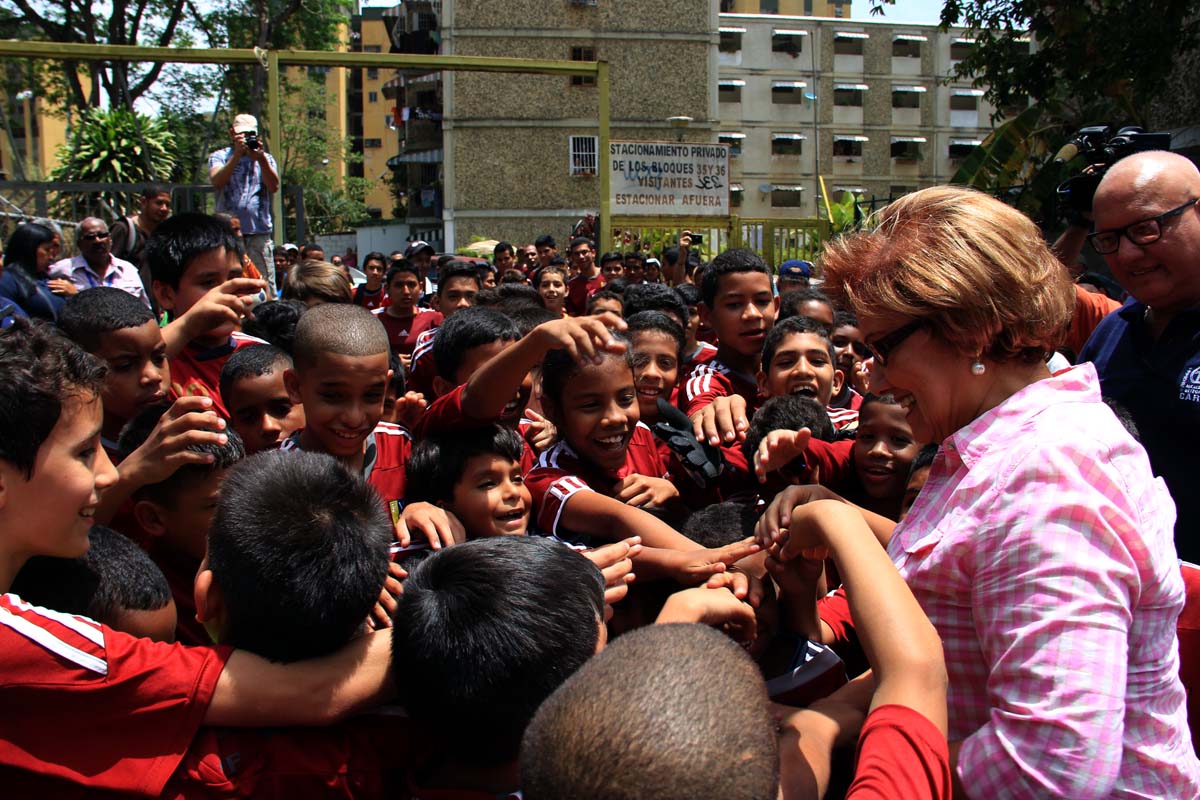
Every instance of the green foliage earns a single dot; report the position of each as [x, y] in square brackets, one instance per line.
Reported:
[116, 146]
[845, 214]
[310, 157]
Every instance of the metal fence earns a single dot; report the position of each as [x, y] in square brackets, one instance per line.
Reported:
[66, 203]
[776, 240]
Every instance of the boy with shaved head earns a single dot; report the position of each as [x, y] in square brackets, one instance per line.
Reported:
[1147, 354]
[341, 376]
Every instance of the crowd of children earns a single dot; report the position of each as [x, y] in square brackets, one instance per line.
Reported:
[414, 517]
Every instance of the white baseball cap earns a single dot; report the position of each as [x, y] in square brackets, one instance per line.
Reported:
[243, 123]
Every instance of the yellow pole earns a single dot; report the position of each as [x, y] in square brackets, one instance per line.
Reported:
[605, 112]
[277, 138]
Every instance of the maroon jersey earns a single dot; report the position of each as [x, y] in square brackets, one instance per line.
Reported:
[708, 381]
[90, 706]
[403, 332]
[560, 473]
[446, 414]
[579, 289]
[423, 370]
[197, 370]
[369, 300]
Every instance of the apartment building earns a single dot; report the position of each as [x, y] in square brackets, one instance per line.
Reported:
[861, 103]
[371, 121]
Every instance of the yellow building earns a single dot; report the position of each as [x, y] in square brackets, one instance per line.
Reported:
[29, 146]
[372, 115]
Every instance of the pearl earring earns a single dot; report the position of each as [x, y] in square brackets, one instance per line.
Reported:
[977, 368]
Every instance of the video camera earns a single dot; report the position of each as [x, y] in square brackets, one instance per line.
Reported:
[1102, 149]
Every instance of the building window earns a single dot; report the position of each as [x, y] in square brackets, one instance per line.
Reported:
[731, 40]
[788, 41]
[787, 196]
[961, 148]
[372, 143]
[768, 6]
[584, 152]
[961, 48]
[736, 192]
[907, 46]
[964, 100]
[907, 148]
[849, 94]
[730, 91]
[848, 44]
[787, 144]
[318, 70]
[848, 146]
[734, 140]
[372, 48]
[372, 97]
[373, 73]
[427, 21]
[583, 54]
[907, 96]
[787, 93]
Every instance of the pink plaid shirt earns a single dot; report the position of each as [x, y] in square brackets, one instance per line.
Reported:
[1042, 550]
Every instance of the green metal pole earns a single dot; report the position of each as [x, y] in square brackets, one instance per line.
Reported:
[605, 111]
[276, 130]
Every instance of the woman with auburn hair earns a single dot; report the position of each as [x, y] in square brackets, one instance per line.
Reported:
[1041, 547]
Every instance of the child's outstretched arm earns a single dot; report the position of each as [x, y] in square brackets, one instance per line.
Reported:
[493, 385]
[221, 305]
[666, 554]
[901, 643]
[255, 692]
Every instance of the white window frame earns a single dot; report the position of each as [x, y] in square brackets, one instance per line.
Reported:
[582, 151]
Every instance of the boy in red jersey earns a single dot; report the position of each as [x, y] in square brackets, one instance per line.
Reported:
[457, 287]
[739, 304]
[402, 319]
[187, 260]
[587, 279]
[340, 376]
[87, 706]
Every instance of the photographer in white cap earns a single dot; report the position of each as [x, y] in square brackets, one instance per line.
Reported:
[244, 175]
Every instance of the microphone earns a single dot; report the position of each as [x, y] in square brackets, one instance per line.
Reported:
[1068, 152]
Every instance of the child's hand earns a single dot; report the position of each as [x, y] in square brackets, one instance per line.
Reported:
[616, 565]
[778, 449]
[541, 434]
[189, 421]
[409, 409]
[640, 491]
[772, 527]
[743, 584]
[385, 606]
[583, 337]
[697, 566]
[222, 306]
[811, 526]
[715, 607]
[860, 378]
[438, 526]
[722, 421]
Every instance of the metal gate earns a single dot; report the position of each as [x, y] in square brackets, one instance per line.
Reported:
[776, 240]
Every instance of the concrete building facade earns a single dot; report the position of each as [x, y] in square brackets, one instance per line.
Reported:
[521, 150]
[863, 104]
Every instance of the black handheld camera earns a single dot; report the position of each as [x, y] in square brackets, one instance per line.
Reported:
[252, 142]
[1102, 149]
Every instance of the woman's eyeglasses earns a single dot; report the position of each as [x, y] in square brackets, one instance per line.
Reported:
[882, 347]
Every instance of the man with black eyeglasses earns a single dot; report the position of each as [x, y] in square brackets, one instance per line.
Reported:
[1147, 353]
[96, 265]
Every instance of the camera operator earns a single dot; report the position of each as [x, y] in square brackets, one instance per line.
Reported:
[1147, 354]
[244, 175]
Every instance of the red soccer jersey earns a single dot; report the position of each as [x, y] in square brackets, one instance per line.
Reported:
[708, 381]
[93, 706]
[197, 370]
[704, 353]
[368, 299]
[403, 331]
[579, 289]
[843, 419]
[423, 370]
[388, 447]
[900, 754]
[560, 473]
[345, 761]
